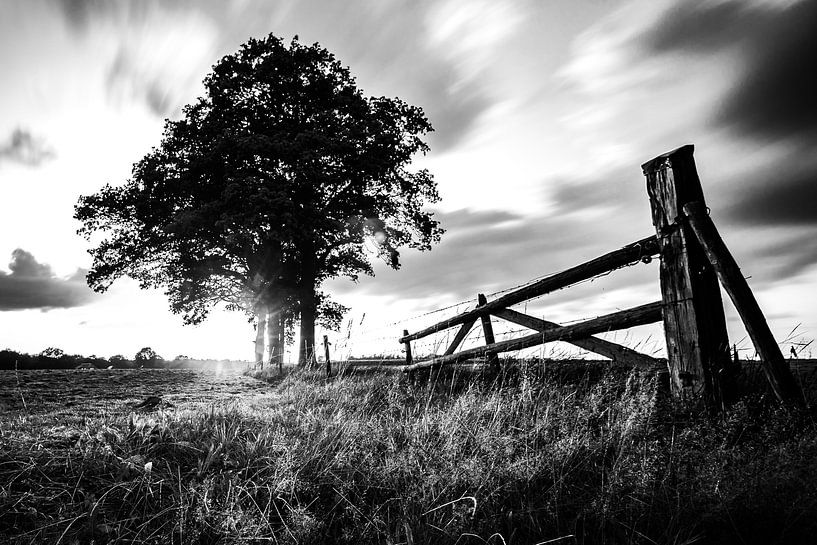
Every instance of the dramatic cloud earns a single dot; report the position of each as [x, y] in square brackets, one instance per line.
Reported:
[773, 100]
[780, 196]
[33, 285]
[787, 256]
[700, 27]
[777, 96]
[735, 75]
[24, 148]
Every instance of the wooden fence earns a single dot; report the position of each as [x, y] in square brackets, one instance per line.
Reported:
[693, 258]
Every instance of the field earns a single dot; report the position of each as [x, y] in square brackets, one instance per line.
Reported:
[546, 453]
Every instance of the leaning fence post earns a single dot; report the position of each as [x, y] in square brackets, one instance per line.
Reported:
[694, 321]
[771, 358]
[326, 354]
[488, 330]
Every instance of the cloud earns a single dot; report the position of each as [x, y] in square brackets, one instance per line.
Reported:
[776, 98]
[24, 148]
[779, 197]
[773, 99]
[432, 55]
[786, 257]
[775, 95]
[735, 75]
[701, 27]
[33, 285]
[161, 58]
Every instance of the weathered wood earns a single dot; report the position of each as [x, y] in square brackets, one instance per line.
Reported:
[326, 355]
[616, 352]
[459, 337]
[645, 314]
[774, 364]
[632, 253]
[408, 347]
[260, 328]
[487, 329]
[275, 339]
[694, 321]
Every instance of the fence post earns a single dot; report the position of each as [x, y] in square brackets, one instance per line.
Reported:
[408, 348]
[694, 321]
[488, 331]
[326, 354]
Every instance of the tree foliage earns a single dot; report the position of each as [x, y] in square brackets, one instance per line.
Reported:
[147, 355]
[271, 183]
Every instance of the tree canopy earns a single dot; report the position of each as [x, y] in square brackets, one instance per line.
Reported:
[271, 183]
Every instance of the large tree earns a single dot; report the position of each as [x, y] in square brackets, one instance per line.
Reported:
[281, 176]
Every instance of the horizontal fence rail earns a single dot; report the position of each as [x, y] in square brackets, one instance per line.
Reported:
[645, 248]
[615, 352]
[642, 315]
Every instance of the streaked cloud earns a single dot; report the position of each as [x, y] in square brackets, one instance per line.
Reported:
[33, 285]
[491, 250]
[24, 148]
[433, 55]
[734, 74]
[776, 97]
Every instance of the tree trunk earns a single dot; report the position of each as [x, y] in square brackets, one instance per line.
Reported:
[275, 336]
[306, 350]
[261, 314]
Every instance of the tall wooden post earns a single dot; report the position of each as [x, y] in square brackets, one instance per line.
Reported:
[488, 330]
[694, 321]
[326, 355]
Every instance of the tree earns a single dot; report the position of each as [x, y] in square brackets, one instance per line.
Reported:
[52, 352]
[147, 357]
[118, 361]
[271, 183]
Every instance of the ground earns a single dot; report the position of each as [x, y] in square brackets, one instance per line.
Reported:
[545, 453]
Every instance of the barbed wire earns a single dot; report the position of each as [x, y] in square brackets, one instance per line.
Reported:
[356, 335]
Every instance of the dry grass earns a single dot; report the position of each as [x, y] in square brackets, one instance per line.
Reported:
[562, 456]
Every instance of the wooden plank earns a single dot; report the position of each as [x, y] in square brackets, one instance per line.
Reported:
[645, 314]
[408, 347]
[774, 363]
[632, 253]
[487, 330]
[694, 322]
[326, 355]
[459, 337]
[616, 352]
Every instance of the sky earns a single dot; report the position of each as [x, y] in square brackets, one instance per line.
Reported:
[543, 112]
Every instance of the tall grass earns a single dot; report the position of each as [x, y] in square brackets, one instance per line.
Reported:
[554, 456]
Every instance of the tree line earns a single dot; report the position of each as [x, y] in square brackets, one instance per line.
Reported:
[147, 358]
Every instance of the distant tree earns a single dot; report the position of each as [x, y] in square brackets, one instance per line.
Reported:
[279, 178]
[119, 361]
[147, 357]
[52, 352]
[10, 358]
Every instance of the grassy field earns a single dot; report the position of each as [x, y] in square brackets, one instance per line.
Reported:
[545, 454]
